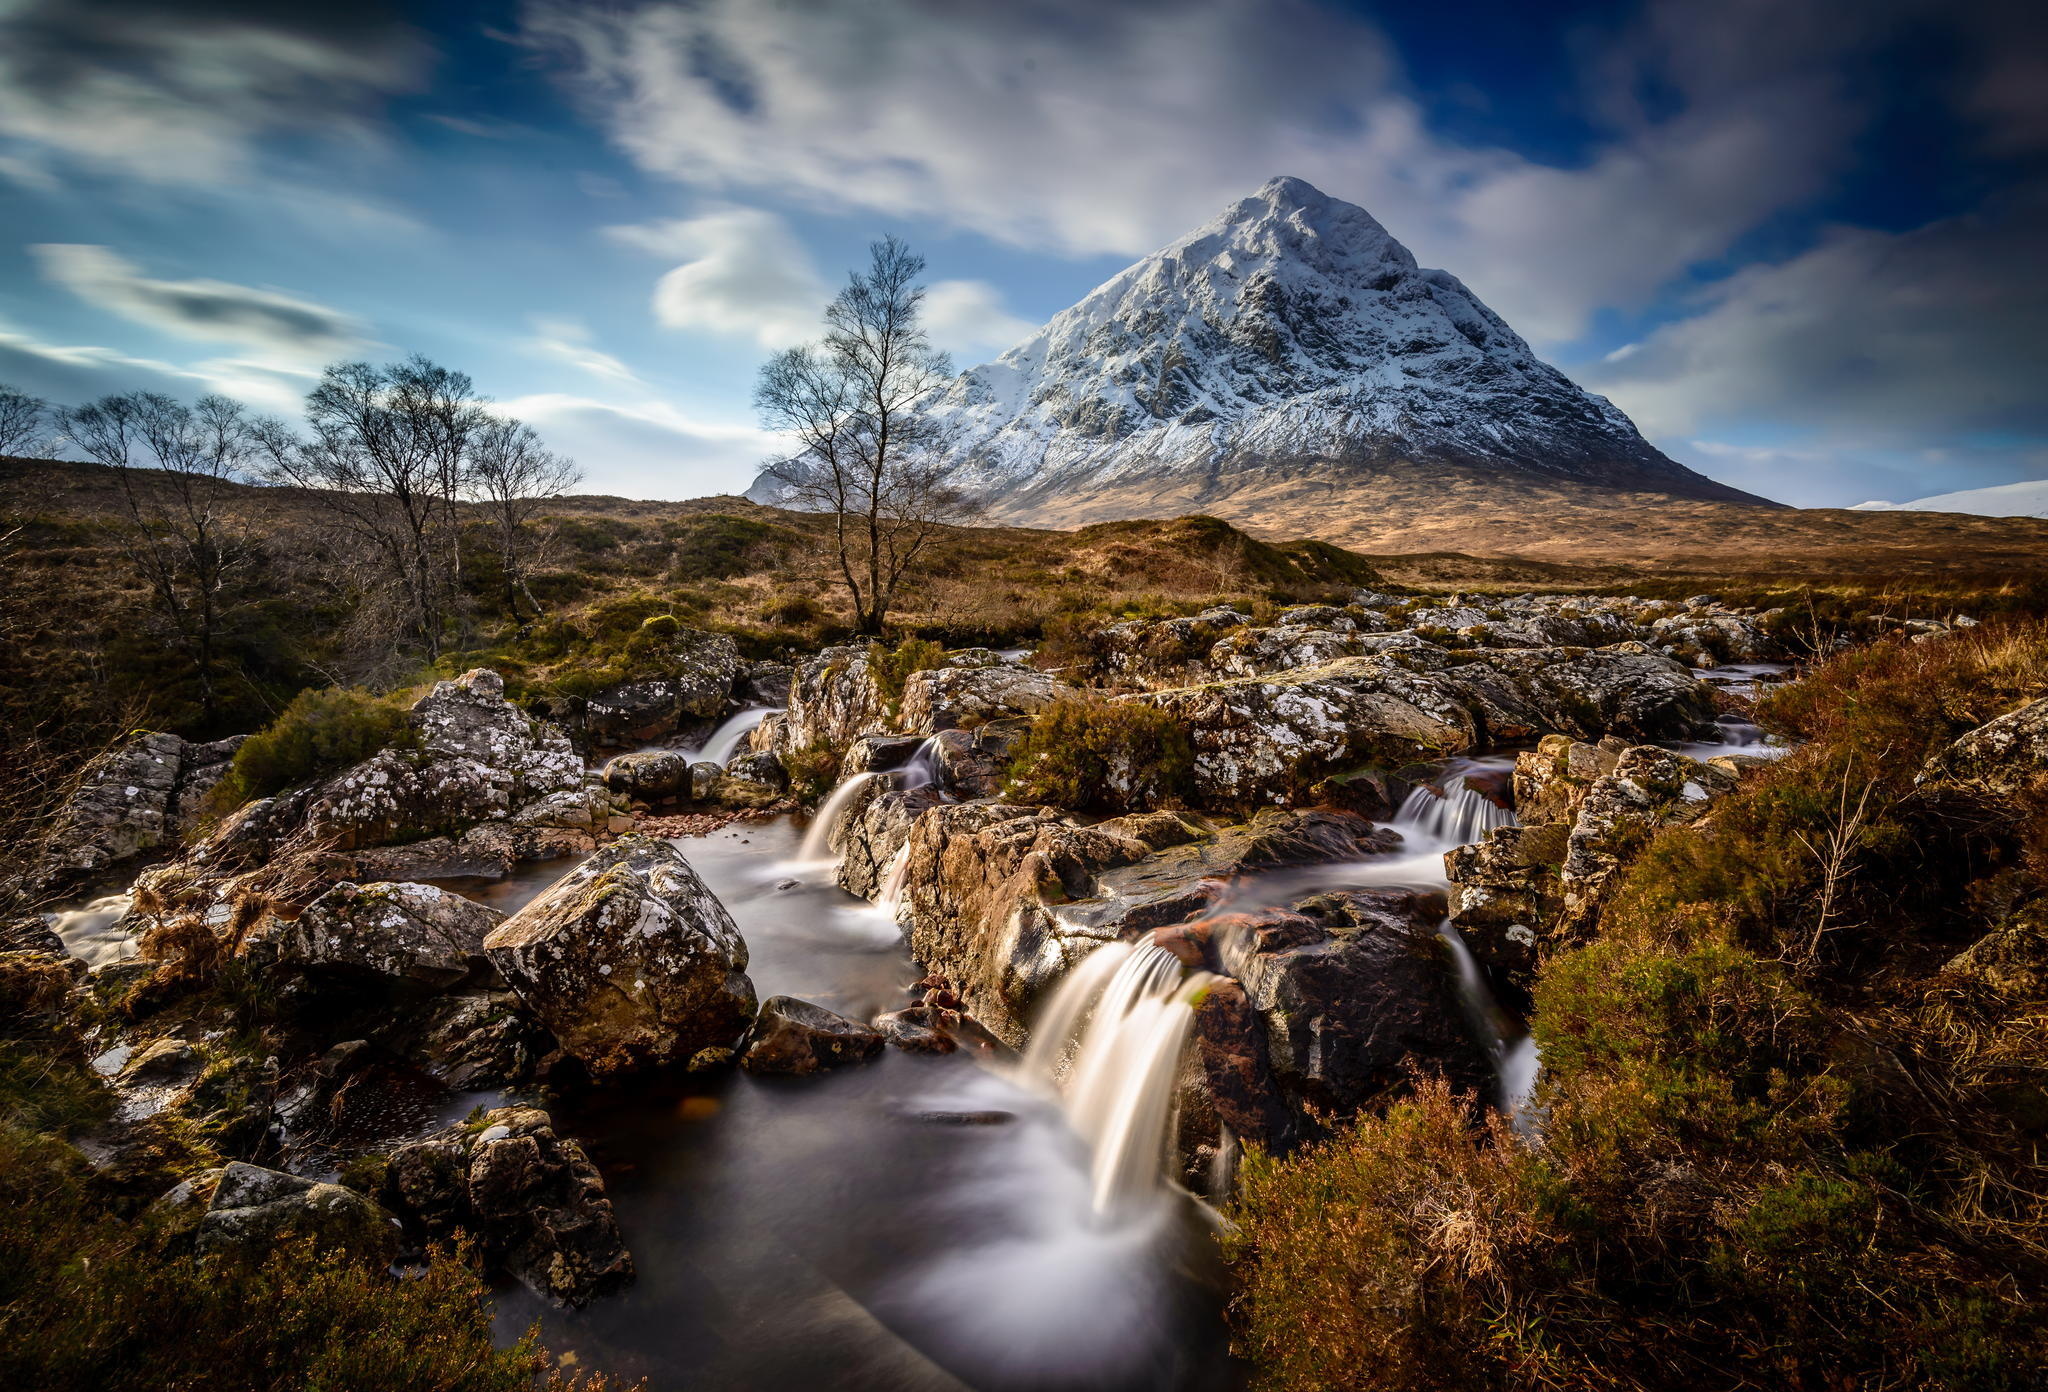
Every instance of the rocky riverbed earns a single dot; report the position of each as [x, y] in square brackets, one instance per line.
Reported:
[728, 1101]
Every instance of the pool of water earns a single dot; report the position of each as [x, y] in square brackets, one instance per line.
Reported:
[917, 1222]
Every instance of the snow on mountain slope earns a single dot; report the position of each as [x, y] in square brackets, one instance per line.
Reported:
[1293, 327]
[2025, 499]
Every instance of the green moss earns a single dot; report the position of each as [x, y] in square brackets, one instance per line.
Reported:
[1114, 756]
[319, 733]
[892, 668]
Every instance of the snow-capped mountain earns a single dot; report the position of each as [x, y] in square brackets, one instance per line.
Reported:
[1291, 328]
[2025, 499]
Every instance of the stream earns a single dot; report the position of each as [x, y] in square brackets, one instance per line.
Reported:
[918, 1222]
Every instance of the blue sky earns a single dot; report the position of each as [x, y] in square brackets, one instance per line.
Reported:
[1799, 240]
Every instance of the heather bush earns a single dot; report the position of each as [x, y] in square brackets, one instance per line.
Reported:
[322, 731]
[1111, 756]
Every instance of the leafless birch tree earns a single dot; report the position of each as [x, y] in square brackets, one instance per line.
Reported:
[21, 421]
[512, 475]
[865, 452]
[177, 467]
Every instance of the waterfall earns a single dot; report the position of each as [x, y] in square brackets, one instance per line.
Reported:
[726, 738]
[1110, 1043]
[1512, 1051]
[890, 897]
[818, 836]
[1455, 816]
[93, 933]
[923, 767]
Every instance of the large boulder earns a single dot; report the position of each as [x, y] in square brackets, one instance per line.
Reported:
[795, 1036]
[2001, 757]
[1262, 740]
[691, 690]
[254, 1209]
[952, 698]
[471, 757]
[833, 701]
[410, 933]
[529, 1196]
[1357, 995]
[629, 960]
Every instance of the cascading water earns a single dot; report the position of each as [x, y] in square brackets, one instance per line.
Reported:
[1110, 1044]
[725, 740]
[94, 934]
[817, 844]
[889, 898]
[923, 767]
[1456, 815]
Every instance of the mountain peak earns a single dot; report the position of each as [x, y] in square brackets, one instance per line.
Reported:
[1291, 328]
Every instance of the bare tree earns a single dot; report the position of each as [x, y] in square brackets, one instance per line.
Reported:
[866, 452]
[177, 466]
[512, 475]
[387, 459]
[21, 421]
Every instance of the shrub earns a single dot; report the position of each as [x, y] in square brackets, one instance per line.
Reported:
[1113, 756]
[322, 731]
[891, 668]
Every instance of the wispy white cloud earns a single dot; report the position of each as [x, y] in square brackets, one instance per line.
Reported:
[649, 450]
[967, 317]
[569, 341]
[207, 310]
[1090, 128]
[743, 273]
[74, 373]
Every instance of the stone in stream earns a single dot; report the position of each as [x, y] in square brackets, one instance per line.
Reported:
[629, 960]
[795, 1036]
[411, 933]
[253, 1209]
[529, 1196]
[650, 776]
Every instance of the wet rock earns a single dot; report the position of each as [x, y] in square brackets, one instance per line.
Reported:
[763, 770]
[697, 673]
[765, 683]
[795, 1036]
[650, 776]
[2000, 757]
[1230, 1041]
[1357, 997]
[254, 1209]
[1002, 901]
[30, 933]
[411, 933]
[629, 960]
[530, 1197]
[920, 1029]
[473, 1039]
[950, 698]
[1504, 893]
[879, 754]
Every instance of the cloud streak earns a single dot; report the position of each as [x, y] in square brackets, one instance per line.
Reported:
[207, 310]
[187, 92]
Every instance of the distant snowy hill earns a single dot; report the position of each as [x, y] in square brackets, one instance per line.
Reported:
[1291, 328]
[2028, 499]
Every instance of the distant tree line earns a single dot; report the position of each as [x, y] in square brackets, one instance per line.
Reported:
[391, 456]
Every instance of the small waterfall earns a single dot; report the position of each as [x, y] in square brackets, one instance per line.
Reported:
[93, 934]
[1512, 1051]
[1455, 816]
[726, 738]
[923, 767]
[889, 898]
[1110, 1043]
[818, 836]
